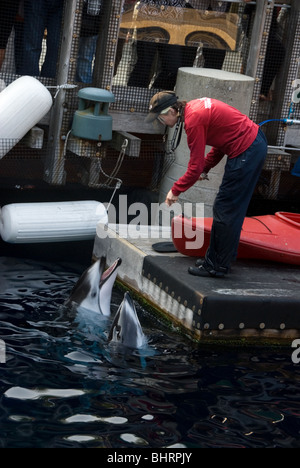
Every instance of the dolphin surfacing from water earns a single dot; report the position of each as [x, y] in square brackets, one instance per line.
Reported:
[92, 293]
[126, 328]
[93, 290]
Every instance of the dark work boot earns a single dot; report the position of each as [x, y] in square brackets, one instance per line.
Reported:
[200, 261]
[204, 273]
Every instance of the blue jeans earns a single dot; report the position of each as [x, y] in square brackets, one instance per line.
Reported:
[86, 55]
[38, 16]
[231, 204]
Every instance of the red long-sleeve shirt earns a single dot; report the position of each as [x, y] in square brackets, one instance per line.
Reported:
[211, 122]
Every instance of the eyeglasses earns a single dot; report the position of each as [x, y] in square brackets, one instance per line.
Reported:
[161, 120]
[163, 112]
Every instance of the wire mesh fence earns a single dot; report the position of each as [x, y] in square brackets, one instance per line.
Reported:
[90, 165]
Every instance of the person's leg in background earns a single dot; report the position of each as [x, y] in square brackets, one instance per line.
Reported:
[8, 12]
[170, 59]
[34, 27]
[140, 75]
[53, 25]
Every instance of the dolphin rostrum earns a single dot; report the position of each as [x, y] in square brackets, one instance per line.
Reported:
[126, 328]
[93, 290]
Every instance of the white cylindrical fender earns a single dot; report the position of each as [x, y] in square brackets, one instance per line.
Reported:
[2, 85]
[22, 223]
[22, 105]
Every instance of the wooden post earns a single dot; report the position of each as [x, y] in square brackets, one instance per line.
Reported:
[256, 38]
[258, 49]
[54, 164]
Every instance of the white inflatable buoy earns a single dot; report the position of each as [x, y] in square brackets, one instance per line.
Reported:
[2, 85]
[22, 105]
[22, 223]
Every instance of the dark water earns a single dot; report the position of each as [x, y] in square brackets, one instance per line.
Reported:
[63, 386]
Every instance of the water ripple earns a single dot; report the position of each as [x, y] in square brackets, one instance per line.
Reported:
[63, 386]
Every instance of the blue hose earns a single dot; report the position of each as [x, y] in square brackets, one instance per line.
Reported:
[272, 120]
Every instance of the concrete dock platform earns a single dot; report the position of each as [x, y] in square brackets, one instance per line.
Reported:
[257, 301]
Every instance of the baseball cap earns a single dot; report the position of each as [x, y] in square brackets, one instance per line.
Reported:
[159, 103]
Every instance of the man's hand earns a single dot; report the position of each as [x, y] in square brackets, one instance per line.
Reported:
[171, 198]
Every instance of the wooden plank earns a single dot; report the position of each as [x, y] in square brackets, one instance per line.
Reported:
[134, 122]
[134, 143]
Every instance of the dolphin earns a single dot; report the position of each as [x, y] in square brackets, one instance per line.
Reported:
[93, 290]
[126, 328]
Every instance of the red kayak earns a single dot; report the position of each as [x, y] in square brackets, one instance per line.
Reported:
[270, 237]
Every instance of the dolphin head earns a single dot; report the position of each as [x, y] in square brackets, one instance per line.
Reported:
[93, 290]
[126, 328]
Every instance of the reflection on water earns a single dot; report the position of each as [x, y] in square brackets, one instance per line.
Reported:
[63, 386]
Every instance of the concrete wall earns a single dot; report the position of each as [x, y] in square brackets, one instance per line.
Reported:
[193, 83]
